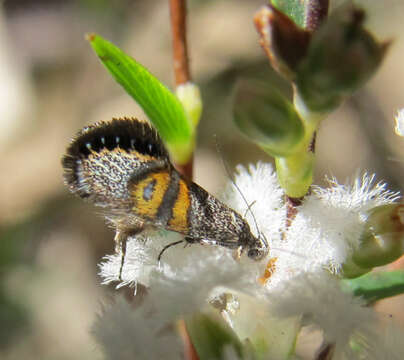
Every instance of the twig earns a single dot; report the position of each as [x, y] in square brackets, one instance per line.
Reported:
[291, 209]
[186, 169]
[178, 15]
[316, 13]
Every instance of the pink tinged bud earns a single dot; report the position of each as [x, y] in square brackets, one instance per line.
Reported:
[341, 58]
[283, 41]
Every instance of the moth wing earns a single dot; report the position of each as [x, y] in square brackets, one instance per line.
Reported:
[212, 221]
[103, 157]
[148, 191]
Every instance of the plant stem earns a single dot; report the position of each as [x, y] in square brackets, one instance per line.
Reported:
[291, 209]
[316, 13]
[178, 14]
[186, 169]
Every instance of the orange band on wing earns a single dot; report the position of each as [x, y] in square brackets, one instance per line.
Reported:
[148, 194]
[179, 219]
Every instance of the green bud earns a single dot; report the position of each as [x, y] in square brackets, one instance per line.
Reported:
[383, 238]
[267, 118]
[350, 270]
[190, 98]
[181, 152]
[282, 40]
[341, 57]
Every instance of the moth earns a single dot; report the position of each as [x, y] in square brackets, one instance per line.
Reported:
[123, 167]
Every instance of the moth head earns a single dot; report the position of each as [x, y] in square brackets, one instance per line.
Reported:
[257, 247]
[258, 250]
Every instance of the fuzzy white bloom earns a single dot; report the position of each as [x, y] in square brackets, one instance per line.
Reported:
[305, 255]
[399, 118]
[326, 228]
[126, 334]
[344, 320]
[187, 264]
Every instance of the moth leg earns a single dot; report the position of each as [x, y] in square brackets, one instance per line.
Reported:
[237, 253]
[166, 247]
[120, 246]
[121, 239]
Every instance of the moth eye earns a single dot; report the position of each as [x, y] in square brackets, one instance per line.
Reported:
[132, 143]
[151, 148]
[103, 140]
[117, 139]
[88, 146]
[256, 254]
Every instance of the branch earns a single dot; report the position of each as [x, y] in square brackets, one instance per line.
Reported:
[178, 13]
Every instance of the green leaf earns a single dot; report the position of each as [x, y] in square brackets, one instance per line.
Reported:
[161, 106]
[295, 9]
[211, 337]
[377, 285]
[267, 118]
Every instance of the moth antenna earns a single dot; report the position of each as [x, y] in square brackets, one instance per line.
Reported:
[294, 253]
[239, 190]
[249, 207]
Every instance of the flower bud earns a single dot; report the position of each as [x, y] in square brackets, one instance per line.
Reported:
[383, 237]
[190, 98]
[341, 57]
[267, 118]
[282, 40]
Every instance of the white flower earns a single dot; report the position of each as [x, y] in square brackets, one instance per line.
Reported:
[126, 334]
[326, 228]
[304, 257]
[343, 319]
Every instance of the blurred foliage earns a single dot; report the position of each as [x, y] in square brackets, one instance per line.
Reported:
[14, 317]
[377, 285]
[212, 337]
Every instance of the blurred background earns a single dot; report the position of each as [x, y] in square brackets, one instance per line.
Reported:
[52, 84]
